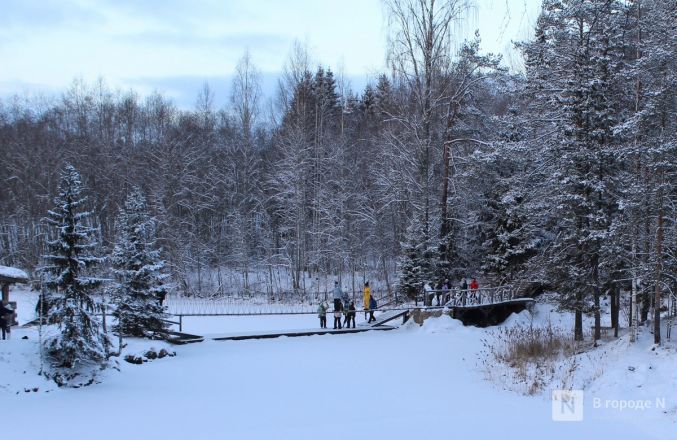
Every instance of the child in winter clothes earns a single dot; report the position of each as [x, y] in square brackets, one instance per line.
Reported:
[322, 314]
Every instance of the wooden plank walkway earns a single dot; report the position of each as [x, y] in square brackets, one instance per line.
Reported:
[179, 338]
[295, 333]
[386, 317]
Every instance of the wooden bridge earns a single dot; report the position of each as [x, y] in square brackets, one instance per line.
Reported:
[481, 307]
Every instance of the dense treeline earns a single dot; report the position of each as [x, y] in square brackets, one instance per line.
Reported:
[448, 166]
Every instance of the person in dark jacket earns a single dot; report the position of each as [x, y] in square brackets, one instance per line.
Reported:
[351, 315]
[6, 313]
[161, 296]
[346, 300]
[372, 307]
[464, 291]
[338, 308]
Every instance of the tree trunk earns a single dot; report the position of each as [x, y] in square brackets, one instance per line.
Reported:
[659, 265]
[451, 116]
[385, 275]
[598, 318]
[615, 307]
[578, 318]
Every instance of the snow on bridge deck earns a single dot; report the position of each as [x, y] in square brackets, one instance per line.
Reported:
[294, 333]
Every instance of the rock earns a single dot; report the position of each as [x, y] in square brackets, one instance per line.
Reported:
[165, 353]
[134, 359]
[25, 337]
[151, 354]
[631, 368]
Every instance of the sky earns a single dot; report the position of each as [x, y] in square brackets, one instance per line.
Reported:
[175, 46]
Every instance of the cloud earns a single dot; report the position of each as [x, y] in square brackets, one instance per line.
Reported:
[32, 15]
[262, 42]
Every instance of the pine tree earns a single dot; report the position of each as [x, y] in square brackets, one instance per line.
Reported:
[138, 268]
[80, 343]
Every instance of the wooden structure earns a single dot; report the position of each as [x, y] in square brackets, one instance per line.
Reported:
[11, 275]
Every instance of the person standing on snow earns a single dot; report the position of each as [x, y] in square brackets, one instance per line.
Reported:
[322, 314]
[6, 313]
[366, 294]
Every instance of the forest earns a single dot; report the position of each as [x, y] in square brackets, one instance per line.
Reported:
[447, 165]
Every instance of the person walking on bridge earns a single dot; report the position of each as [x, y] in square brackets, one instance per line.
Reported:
[366, 293]
[474, 285]
[372, 308]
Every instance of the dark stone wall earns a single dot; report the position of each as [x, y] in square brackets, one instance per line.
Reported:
[478, 316]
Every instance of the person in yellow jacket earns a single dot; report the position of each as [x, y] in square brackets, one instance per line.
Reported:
[367, 298]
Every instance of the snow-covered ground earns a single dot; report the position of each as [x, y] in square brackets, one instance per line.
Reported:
[415, 382]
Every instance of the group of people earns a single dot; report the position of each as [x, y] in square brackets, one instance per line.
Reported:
[344, 308]
[442, 291]
[6, 318]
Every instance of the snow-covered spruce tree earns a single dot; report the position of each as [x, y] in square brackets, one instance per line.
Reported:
[79, 348]
[409, 272]
[509, 242]
[570, 69]
[417, 263]
[138, 269]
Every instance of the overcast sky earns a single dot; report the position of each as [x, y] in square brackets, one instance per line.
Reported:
[174, 46]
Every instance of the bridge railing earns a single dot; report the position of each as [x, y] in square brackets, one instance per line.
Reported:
[261, 305]
[454, 297]
[457, 297]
